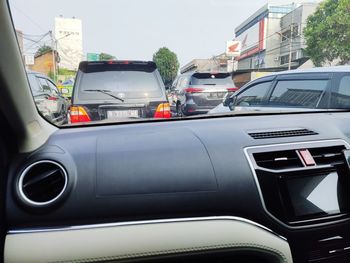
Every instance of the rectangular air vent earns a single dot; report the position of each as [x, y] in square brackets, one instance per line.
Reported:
[328, 155]
[290, 159]
[281, 134]
[278, 160]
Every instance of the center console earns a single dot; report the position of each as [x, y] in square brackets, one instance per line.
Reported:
[306, 186]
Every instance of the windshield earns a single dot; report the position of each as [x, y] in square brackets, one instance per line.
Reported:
[119, 61]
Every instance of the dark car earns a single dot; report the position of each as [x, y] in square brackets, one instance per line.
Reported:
[312, 89]
[118, 90]
[199, 92]
[50, 102]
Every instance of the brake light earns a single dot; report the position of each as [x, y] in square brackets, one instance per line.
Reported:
[163, 111]
[78, 114]
[52, 98]
[232, 89]
[193, 90]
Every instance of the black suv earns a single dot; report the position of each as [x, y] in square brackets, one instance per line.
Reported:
[118, 90]
[199, 92]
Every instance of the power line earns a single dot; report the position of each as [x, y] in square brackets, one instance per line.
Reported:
[36, 42]
[29, 18]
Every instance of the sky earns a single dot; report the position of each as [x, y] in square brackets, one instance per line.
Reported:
[136, 29]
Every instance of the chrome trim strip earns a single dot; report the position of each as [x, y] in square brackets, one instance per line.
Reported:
[24, 173]
[251, 165]
[146, 222]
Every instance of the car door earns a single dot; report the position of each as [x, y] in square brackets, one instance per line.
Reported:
[171, 95]
[253, 98]
[340, 94]
[50, 100]
[60, 101]
[300, 91]
[180, 89]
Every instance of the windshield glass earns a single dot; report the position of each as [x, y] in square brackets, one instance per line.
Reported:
[128, 84]
[177, 59]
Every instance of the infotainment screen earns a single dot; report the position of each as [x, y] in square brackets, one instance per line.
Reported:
[314, 196]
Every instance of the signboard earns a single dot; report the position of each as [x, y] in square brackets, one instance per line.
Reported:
[69, 39]
[93, 57]
[29, 59]
[233, 48]
[253, 39]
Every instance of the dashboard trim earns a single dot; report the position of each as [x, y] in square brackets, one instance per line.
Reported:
[145, 222]
[251, 165]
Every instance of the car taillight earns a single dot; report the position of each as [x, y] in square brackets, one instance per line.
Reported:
[78, 114]
[163, 111]
[232, 89]
[193, 90]
[52, 98]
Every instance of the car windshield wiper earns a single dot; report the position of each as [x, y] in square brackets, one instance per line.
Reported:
[107, 92]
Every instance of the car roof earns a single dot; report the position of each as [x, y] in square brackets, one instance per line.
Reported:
[317, 70]
[333, 69]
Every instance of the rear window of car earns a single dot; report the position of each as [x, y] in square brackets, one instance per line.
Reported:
[125, 84]
[212, 79]
[298, 93]
[34, 85]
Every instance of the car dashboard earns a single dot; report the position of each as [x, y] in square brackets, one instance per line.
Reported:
[273, 185]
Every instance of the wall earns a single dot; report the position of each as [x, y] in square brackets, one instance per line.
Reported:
[43, 63]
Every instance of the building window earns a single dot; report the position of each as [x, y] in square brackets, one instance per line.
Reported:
[285, 59]
[286, 35]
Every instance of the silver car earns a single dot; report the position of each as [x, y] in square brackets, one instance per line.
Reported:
[50, 102]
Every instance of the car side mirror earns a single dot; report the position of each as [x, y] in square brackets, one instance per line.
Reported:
[230, 101]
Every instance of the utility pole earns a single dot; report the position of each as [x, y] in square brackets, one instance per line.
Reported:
[53, 48]
[291, 40]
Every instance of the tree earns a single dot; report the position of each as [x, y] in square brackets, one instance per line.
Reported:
[66, 72]
[42, 50]
[105, 56]
[327, 33]
[168, 65]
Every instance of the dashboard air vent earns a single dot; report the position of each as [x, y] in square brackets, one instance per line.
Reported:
[42, 183]
[328, 155]
[278, 160]
[281, 134]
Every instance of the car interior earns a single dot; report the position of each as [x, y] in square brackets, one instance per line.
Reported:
[263, 187]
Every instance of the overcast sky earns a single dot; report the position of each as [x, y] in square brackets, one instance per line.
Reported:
[135, 29]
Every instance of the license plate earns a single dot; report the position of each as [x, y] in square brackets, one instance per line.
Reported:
[119, 114]
[216, 95]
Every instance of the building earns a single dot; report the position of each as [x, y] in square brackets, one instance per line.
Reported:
[267, 41]
[291, 35]
[220, 63]
[69, 42]
[43, 63]
[260, 38]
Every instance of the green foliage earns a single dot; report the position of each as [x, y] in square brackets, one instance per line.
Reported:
[105, 56]
[42, 50]
[168, 65]
[51, 75]
[327, 33]
[66, 72]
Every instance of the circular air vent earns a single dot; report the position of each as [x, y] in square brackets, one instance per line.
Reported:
[42, 183]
